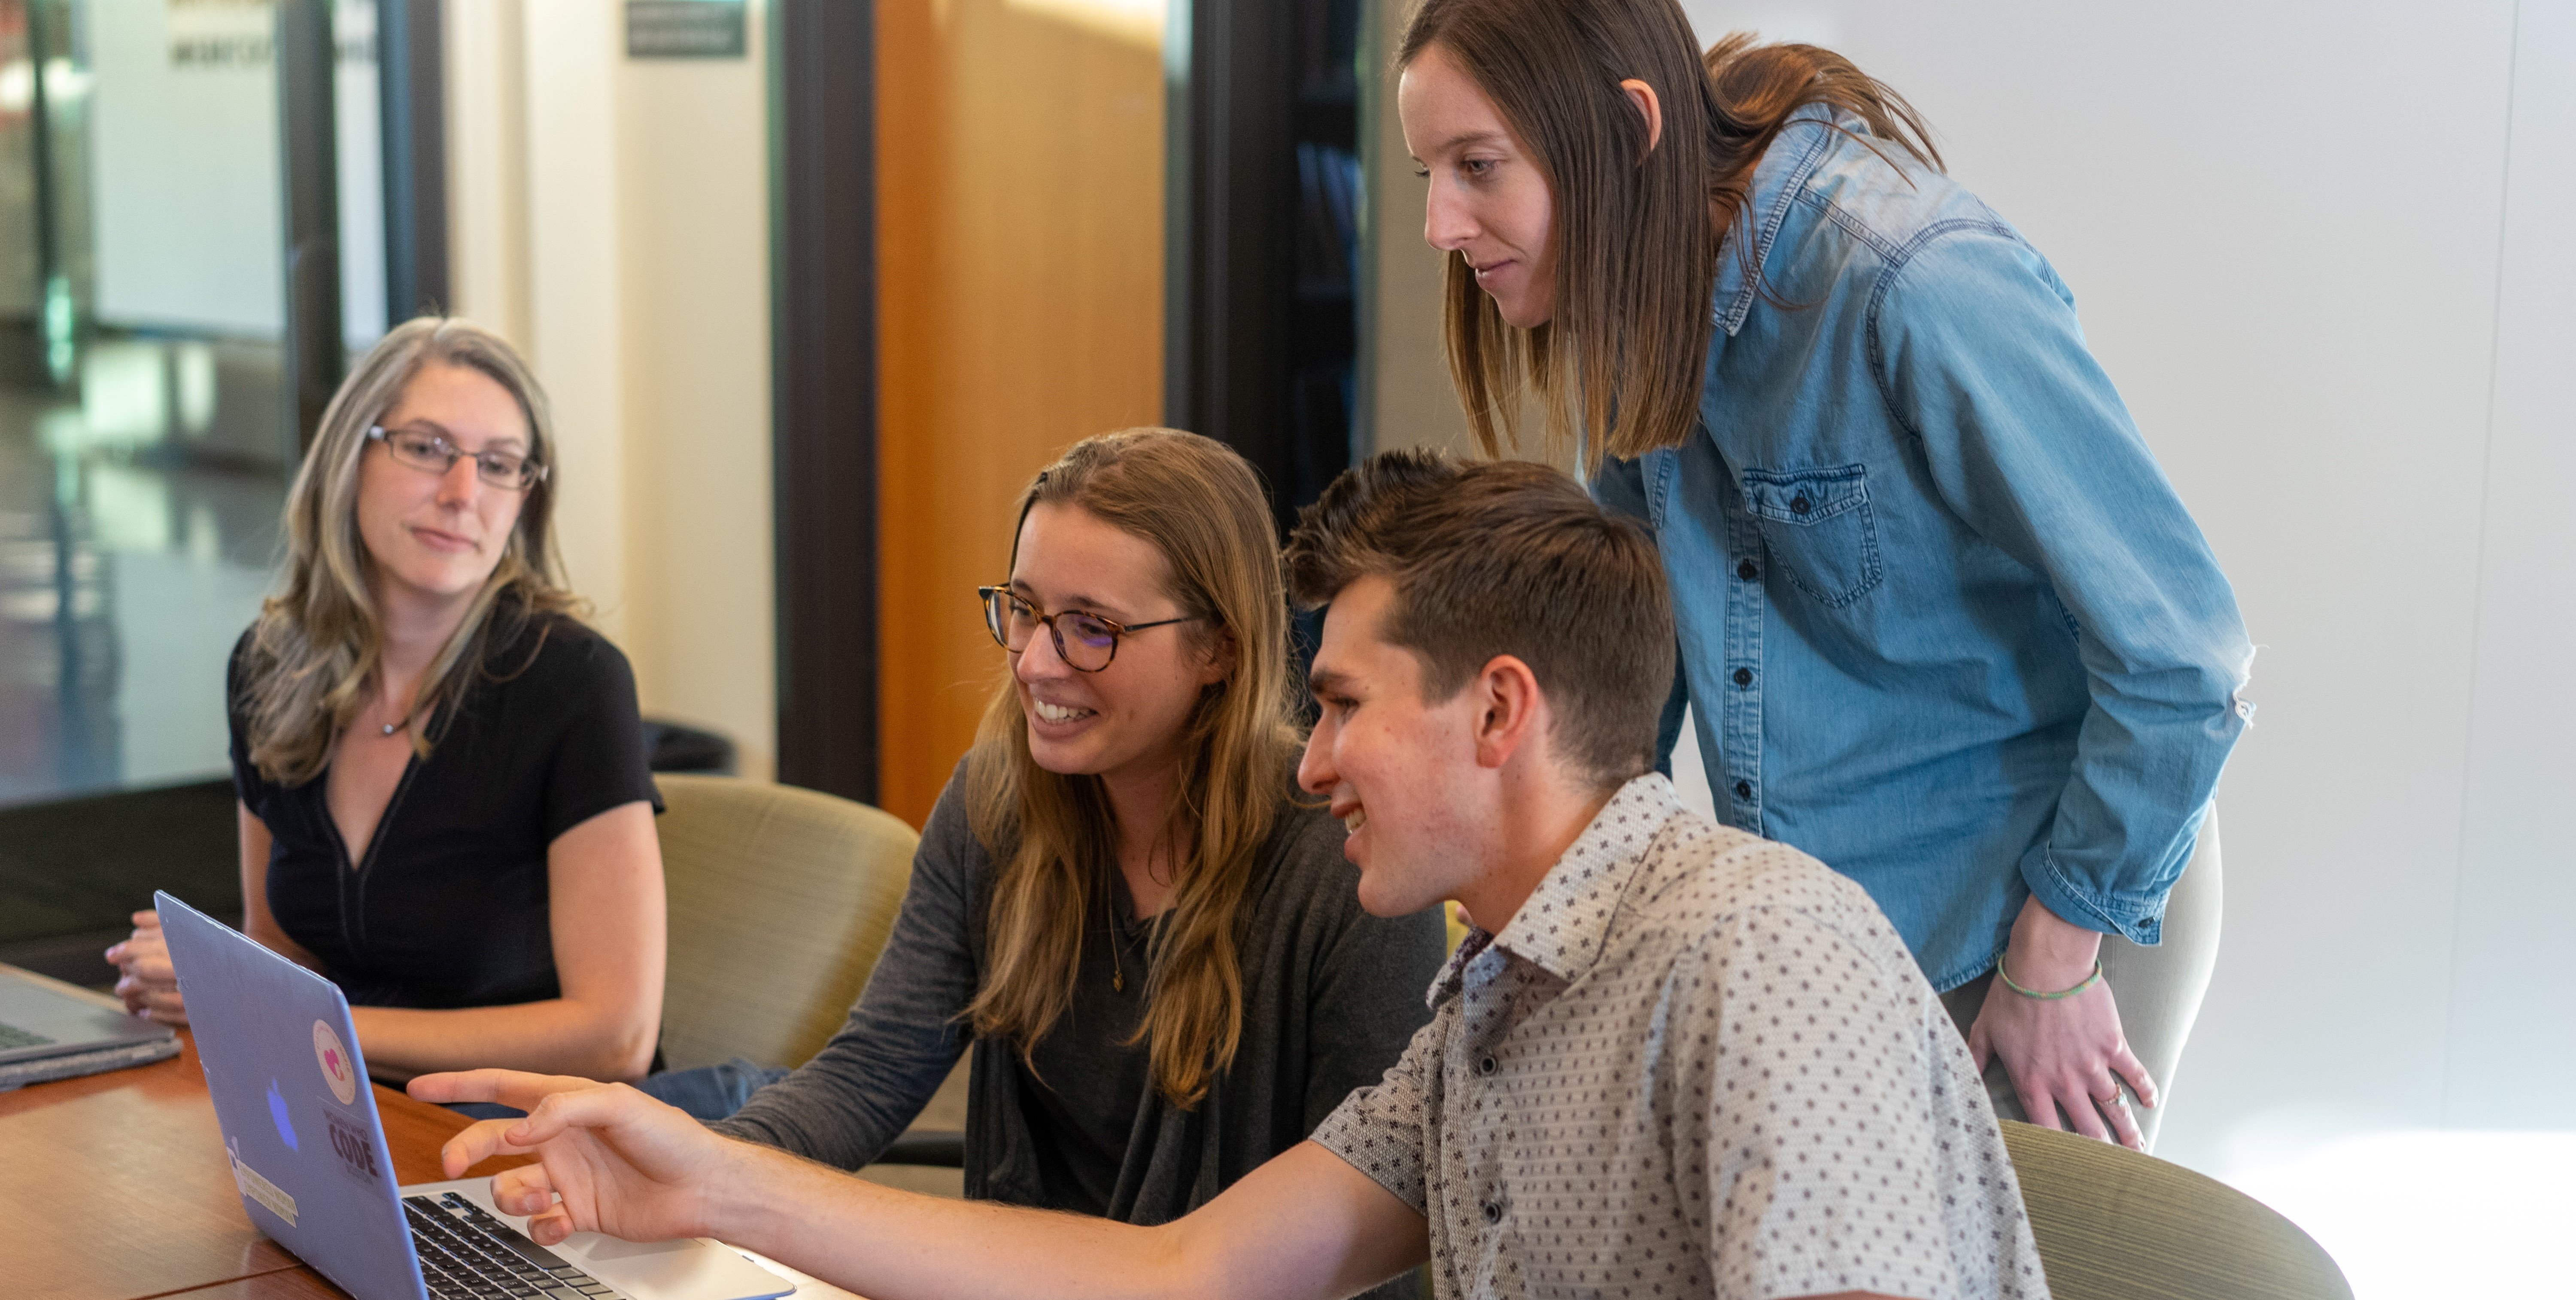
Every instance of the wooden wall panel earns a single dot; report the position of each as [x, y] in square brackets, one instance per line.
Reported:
[1020, 241]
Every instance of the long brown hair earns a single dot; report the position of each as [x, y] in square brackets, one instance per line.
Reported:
[318, 644]
[1637, 229]
[1055, 838]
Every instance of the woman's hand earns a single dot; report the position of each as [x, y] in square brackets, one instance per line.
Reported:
[2065, 1053]
[623, 1163]
[148, 984]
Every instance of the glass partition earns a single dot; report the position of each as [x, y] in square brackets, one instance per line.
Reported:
[145, 433]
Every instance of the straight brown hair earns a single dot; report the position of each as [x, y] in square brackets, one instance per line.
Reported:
[1505, 558]
[1637, 229]
[1054, 837]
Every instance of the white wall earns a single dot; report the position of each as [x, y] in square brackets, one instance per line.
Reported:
[611, 218]
[184, 177]
[2320, 247]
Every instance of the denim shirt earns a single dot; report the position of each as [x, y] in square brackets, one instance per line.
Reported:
[1944, 624]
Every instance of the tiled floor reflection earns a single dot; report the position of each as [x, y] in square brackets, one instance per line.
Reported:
[138, 523]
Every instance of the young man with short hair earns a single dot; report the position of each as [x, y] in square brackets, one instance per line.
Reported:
[1673, 1058]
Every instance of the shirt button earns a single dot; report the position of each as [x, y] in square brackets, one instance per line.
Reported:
[1800, 505]
[1744, 677]
[1744, 789]
[1744, 569]
[1493, 1212]
[1485, 1066]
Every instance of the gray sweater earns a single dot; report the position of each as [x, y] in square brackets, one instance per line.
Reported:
[1331, 995]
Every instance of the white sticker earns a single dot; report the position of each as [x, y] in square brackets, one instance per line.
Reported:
[263, 1191]
[336, 1068]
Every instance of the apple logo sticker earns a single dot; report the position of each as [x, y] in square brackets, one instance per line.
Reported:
[277, 1111]
[337, 1070]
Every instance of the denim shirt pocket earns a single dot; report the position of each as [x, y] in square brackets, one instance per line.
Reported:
[1819, 529]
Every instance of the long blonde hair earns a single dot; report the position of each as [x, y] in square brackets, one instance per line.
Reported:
[1637, 228]
[319, 644]
[1054, 838]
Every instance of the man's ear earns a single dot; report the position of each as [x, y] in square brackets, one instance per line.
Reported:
[1652, 109]
[1511, 714]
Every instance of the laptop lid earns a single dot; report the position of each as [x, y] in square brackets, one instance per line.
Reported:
[40, 1018]
[299, 1119]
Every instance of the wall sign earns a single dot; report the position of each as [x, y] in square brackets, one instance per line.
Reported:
[685, 29]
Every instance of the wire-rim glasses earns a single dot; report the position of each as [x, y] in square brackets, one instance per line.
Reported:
[424, 450]
[1086, 642]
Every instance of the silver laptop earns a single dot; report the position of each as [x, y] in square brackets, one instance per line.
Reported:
[41, 1019]
[309, 1155]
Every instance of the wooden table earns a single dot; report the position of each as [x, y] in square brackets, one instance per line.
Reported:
[114, 1187]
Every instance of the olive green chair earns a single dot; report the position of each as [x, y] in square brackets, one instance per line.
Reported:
[780, 899]
[2116, 1225]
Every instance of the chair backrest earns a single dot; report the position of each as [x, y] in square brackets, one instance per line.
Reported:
[781, 899]
[2116, 1225]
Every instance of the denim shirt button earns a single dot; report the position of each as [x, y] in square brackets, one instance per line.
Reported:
[1744, 789]
[1800, 504]
[1744, 677]
[1746, 571]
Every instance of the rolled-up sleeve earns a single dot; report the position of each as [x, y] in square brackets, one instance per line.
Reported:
[1980, 356]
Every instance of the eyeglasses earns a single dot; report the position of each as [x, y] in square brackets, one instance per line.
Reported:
[424, 450]
[1085, 642]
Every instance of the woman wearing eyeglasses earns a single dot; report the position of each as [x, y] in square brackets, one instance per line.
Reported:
[444, 805]
[1152, 944]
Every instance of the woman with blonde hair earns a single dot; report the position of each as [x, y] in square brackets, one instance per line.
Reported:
[444, 802]
[1150, 939]
[1944, 623]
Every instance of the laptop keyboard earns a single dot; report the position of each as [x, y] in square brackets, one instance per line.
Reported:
[466, 1254]
[12, 1036]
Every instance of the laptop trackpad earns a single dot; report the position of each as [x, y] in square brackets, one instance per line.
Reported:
[669, 1270]
[592, 1246]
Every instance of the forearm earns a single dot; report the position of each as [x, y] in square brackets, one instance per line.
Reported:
[852, 1100]
[893, 1245]
[555, 1036]
[1306, 1224]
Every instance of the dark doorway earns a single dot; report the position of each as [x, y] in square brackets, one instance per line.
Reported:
[1265, 191]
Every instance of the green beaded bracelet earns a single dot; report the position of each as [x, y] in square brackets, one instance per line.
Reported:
[2089, 981]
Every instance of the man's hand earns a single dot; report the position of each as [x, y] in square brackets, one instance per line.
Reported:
[147, 982]
[623, 1163]
[2064, 1054]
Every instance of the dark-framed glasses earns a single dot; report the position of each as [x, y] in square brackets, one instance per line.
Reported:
[424, 450]
[1086, 642]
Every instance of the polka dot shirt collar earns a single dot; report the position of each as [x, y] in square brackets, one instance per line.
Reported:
[1560, 928]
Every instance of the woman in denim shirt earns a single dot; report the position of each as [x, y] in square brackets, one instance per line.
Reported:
[1944, 623]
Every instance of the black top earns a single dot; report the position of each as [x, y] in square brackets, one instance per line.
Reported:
[447, 906]
[1089, 1081]
[1331, 995]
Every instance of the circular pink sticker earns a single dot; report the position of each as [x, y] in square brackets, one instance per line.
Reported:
[337, 1070]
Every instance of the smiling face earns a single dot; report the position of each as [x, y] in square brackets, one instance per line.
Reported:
[436, 537]
[1402, 772]
[1128, 719]
[1488, 202]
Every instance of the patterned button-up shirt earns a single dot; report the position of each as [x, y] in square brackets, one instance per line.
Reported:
[1695, 1063]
